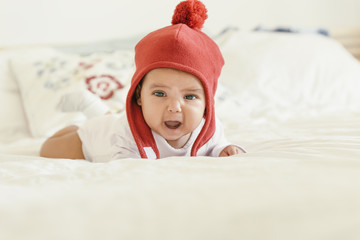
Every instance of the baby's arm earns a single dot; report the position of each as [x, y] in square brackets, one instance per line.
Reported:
[230, 150]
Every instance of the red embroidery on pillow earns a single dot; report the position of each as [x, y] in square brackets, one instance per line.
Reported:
[85, 65]
[103, 86]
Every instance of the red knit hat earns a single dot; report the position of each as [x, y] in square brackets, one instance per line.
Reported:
[184, 47]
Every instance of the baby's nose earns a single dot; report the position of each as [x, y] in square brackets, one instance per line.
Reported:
[174, 106]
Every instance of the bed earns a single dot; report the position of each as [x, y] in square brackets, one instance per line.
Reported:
[291, 100]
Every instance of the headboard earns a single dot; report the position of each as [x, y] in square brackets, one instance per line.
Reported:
[350, 38]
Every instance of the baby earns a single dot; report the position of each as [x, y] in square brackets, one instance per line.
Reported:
[169, 106]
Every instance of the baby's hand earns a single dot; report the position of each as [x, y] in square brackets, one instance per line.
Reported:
[230, 150]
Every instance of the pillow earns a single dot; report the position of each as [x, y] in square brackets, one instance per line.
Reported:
[13, 124]
[44, 75]
[285, 75]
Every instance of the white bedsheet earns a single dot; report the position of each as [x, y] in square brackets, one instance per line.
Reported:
[302, 184]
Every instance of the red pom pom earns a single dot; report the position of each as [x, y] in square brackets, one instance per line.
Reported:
[191, 12]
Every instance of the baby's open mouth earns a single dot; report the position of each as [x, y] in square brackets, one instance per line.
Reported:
[172, 124]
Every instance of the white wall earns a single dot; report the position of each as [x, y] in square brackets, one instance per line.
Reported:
[53, 21]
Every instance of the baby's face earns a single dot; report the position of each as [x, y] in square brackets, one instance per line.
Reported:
[172, 103]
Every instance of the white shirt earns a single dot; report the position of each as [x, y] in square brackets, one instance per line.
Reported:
[109, 137]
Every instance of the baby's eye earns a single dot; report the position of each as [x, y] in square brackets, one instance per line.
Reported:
[159, 94]
[190, 97]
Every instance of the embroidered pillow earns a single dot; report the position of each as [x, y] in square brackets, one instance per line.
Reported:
[44, 75]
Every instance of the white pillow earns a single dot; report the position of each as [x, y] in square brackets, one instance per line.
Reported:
[280, 74]
[13, 124]
[44, 75]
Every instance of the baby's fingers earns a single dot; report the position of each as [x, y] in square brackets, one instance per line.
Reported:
[229, 150]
